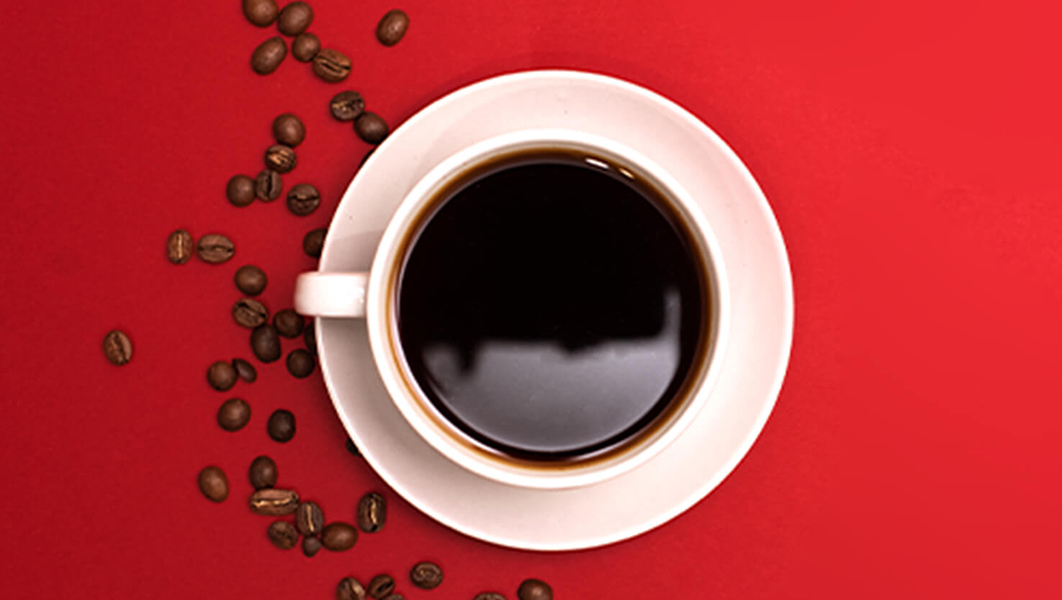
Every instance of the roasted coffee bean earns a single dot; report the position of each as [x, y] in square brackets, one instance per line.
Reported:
[240, 190]
[288, 323]
[234, 414]
[265, 343]
[281, 426]
[313, 242]
[117, 347]
[274, 503]
[179, 247]
[339, 536]
[350, 589]
[288, 130]
[250, 280]
[353, 448]
[260, 12]
[283, 535]
[392, 27]
[394, 596]
[309, 336]
[331, 65]
[372, 512]
[382, 585]
[303, 199]
[245, 370]
[268, 55]
[300, 363]
[370, 128]
[268, 185]
[346, 106]
[426, 575]
[309, 519]
[262, 473]
[280, 158]
[311, 546]
[221, 376]
[214, 484]
[534, 589]
[295, 18]
[489, 596]
[249, 313]
[305, 47]
[215, 248]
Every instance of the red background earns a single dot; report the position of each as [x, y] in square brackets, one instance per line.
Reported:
[909, 149]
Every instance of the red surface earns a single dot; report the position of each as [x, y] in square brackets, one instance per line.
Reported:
[910, 152]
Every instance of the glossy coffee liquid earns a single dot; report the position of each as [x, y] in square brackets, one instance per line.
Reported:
[550, 306]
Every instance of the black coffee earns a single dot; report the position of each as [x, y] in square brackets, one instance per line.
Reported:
[551, 306]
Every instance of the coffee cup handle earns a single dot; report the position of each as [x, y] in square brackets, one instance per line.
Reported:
[331, 294]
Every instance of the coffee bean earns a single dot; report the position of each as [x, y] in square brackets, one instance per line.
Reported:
[274, 503]
[534, 589]
[395, 596]
[372, 512]
[370, 128]
[392, 27]
[280, 158]
[265, 343]
[289, 130]
[311, 546]
[240, 190]
[234, 414]
[281, 426]
[305, 47]
[249, 313]
[214, 484]
[426, 575]
[331, 65]
[221, 376]
[250, 280]
[346, 106]
[245, 370]
[309, 519]
[295, 18]
[339, 536]
[260, 12]
[489, 596]
[288, 323]
[179, 247]
[262, 473]
[215, 248]
[352, 448]
[381, 585]
[268, 185]
[283, 535]
[117, 347]
[313, 242]
[268, 55]
[309, 336]
[303, 199]
[300, 363]
[350, 589]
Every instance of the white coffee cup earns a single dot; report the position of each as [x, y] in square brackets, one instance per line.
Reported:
[371, 295]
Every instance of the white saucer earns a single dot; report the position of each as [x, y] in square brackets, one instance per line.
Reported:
[754, 364]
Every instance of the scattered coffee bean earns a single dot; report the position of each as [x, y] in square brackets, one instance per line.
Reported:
[352, 448]
[288, 323]
[250, 280]
[289, 130]
[309, 519]
[179, 247]
[249, 313]
[300, 363]
[350, 589]
[283, 535]
[313, 242]
[534, 589]
[372, 512]
[214, 484]
[371, 128]
[394, 596]
[240, 190]
[489, 596]
[295, 18]
[117, 347]
[311, 546]
[303, 199]
[215, 248]
[221, 376]
[382, 585]
[245, 370]
[268, 55]
[281, 426]
[346, 106]
[274, 503]
[260, 12]
[305, 47]
[392, 27]
[309, 336]
[263, 473]
[265, 343]
[280, 158]
[234, 414]
[268, 185]
[331, 65]
[339, 536]
[426, 575]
